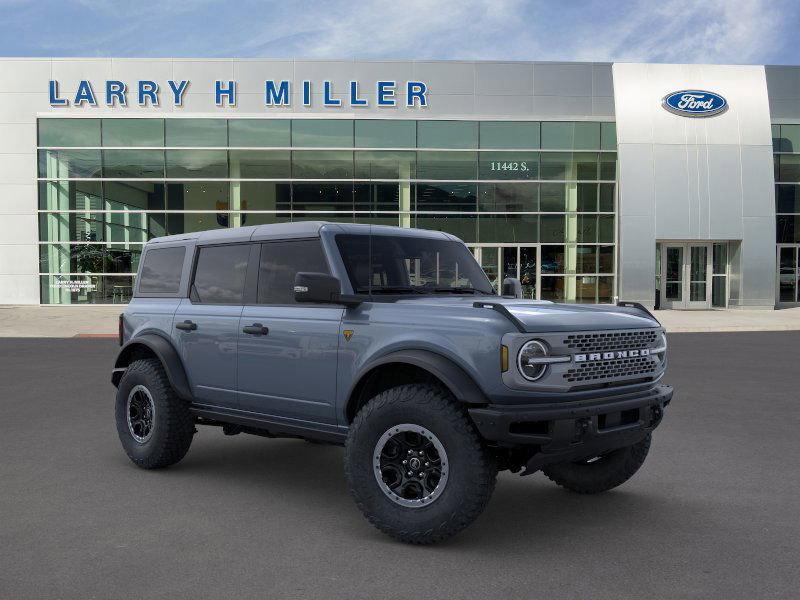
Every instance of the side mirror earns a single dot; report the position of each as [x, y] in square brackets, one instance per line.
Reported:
[512, 287]
[320, 288]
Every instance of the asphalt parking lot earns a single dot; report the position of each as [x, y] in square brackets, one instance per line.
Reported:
[714, 513]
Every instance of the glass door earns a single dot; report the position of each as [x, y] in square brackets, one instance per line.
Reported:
[788, 274]
[686, 272]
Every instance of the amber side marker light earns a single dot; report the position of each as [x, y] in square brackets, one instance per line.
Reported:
[504, 358]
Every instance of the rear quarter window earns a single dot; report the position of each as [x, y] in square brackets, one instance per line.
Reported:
[161, 270]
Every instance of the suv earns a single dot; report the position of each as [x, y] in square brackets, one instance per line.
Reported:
[391, 342]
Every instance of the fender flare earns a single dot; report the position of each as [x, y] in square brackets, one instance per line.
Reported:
[458, 381]
[166, 354]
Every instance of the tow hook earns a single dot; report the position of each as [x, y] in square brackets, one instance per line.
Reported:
[581, 427]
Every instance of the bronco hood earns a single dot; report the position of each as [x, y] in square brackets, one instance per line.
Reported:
[540, 316]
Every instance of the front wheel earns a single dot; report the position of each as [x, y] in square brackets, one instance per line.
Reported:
[600, 473]
[415, 465]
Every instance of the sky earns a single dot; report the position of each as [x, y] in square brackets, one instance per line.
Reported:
[678, 31]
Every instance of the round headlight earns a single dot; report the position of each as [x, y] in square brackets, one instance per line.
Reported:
[526, 360]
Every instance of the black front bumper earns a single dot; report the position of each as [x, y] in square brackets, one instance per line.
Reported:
[571, 431]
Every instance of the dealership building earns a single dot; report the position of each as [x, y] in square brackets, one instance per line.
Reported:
[669, 185]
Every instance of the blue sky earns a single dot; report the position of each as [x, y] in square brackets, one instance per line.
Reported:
[683, 31]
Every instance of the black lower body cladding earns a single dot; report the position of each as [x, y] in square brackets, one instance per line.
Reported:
[572, 431]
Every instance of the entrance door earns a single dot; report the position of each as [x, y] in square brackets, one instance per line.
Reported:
[686, 276]
[520, 262]
[788, 274]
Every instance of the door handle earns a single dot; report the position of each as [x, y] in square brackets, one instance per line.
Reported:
[255, 329]
[186, 326]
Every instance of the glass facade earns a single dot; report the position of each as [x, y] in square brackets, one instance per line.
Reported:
[786, 152]
[534, 200]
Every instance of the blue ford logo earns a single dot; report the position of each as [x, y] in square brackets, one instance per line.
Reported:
[695, 103]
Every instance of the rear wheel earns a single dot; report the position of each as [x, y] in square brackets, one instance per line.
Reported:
[600, 473]
[415, 465]
[153, 424]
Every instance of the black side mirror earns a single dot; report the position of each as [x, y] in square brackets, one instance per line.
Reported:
[512, 287]
[320, 288]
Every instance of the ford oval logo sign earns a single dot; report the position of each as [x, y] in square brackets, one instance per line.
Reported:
[695, 103]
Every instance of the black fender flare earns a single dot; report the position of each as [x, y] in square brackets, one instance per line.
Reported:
[458, 381]
[166, 354]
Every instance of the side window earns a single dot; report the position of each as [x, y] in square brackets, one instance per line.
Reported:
[161, 270]
[220, 274]
[280, 262]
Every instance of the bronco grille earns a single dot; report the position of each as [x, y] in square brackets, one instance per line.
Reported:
[612, 369]
[616, 340]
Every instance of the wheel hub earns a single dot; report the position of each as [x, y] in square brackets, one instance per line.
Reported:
[140, 411]
[410, 465]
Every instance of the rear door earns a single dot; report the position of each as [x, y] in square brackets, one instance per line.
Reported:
[288, 351]
[207, 323]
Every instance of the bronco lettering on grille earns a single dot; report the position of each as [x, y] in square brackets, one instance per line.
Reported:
[611, 355]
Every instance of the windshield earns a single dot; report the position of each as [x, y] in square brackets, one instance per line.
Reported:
[389, 264]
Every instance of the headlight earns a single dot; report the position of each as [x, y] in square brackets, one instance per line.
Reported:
[528, 360]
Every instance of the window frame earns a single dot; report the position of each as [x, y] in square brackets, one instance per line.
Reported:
[247, 290]
[137, 293]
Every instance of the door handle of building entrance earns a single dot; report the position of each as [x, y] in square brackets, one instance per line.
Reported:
[256, 329]
[186, 326]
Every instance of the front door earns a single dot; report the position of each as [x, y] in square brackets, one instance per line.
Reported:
[686, 276]
[288, 352]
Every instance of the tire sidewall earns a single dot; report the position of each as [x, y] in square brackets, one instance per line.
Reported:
[139, 451]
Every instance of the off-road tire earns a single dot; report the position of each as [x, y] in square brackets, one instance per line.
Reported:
[609, 471]
[472, 470]
[173, 425]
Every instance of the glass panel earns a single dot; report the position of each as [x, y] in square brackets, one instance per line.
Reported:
[608, 136]
[585, 166]
[260, 164]
[508, 165]
[509, 134]
[317, 164]
[196, 132]
[133, 132]
[553, 288]
[605, 229]
[788, 288]
[446, 165]
[508, 228]
[220, 274]
[586, 289]
[147, 164]
[553, 197]
[674, 274]
[70, 195]
[587, 229]
[161, 271]
[123, 258]
[259, 133]
[98, 227]
[322, 196]
[558, 135]
[787, 198]
[281, 262]
[605, 289]
[69, 132]
[464, 228]
[461, 197]
[789, 170]
[587, 136]
[261, 195]
[697, 291]
[606, 197]
[552, 228]
[556, 165]
[720, 259]
[586, 259]
[385, 133]
[322, 133]
[508, 197]
[61, 164]
[606, 260]
[587, 197]
[133, 195]
[527, 272]
[385, 165]
[788, 261]
[197, 196]
[608, 166]
[509, 262]
[790, 138]
[718, 293]
[381, 197]
[197, 163]
[134, 227]
[86, 289]
[788, 229]
[491, 265]
[447, 134]
[246, 218]
[553, 258]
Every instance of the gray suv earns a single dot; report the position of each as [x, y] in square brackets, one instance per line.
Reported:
[393, 343]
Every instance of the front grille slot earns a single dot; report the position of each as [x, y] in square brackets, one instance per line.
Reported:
[611, 369]
[606, 342]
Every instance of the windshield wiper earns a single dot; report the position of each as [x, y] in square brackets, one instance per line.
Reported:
[389, 289]
[459, 290]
